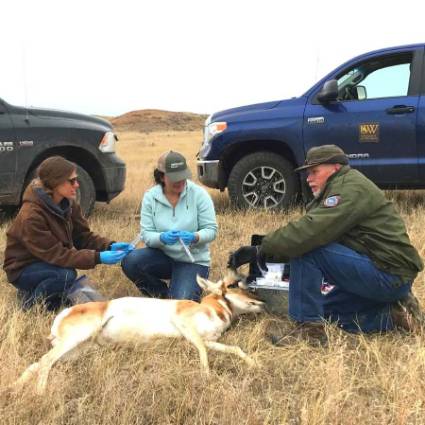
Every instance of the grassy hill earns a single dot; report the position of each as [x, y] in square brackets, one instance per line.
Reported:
[149, 120]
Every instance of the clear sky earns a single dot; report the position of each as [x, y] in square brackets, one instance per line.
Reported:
[108, 58]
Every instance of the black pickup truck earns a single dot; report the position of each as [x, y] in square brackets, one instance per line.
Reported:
[29, 135]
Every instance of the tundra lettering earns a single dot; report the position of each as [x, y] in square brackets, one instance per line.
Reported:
[358, 155]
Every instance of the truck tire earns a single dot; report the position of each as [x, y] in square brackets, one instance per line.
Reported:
[263, 180]
[86, 194]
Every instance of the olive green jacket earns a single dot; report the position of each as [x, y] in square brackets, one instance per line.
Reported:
[354, 212]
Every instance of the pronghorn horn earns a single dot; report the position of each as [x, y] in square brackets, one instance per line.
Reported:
[242, 283]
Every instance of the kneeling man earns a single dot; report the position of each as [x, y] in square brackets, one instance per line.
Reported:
[351, 237]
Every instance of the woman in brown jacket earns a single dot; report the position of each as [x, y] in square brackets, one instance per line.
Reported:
[49, 239]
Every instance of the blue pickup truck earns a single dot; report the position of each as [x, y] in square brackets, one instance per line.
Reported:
[372, 106]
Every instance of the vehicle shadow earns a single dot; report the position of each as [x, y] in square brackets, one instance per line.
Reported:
[7, 214]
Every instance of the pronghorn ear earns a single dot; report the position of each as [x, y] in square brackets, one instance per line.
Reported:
[209, 286]
[203, 283]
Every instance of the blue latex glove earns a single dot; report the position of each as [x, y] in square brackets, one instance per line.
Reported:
[170, 237]
[112, 257]
[187, 237]
[122, 246]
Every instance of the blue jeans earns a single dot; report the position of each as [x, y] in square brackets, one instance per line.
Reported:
[361, 297]
[147, 267]
[45, 282]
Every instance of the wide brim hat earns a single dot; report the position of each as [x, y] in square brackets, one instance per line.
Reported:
[174, 166]
[325, 154]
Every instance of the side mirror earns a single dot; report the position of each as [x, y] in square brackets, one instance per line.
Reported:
[328, 92]
[361, 92]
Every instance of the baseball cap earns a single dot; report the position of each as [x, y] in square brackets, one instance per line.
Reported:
[174, 166]
[325, 154]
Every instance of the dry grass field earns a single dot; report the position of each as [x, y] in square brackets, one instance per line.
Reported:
[377, 379]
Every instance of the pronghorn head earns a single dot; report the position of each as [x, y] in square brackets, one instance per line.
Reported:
[234, 289]
[231, 280]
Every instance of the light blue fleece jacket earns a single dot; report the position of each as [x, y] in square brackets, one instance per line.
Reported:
[194, 213]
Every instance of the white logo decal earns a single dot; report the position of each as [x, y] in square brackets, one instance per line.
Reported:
[316, 120]
[176, 164]
[26, 143]
[332, 201]
[326, 287]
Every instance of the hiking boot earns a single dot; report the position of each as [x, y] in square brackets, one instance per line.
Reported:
[312, 332]
[276, 329]
[407, 314]
[82, 291]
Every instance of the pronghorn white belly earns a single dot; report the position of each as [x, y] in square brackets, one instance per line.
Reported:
[139, 318]
[210, 328]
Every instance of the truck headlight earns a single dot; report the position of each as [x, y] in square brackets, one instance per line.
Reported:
[213, 129]
[107, 144]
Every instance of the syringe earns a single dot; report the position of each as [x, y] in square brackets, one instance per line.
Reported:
[136, 240]
[186, 249]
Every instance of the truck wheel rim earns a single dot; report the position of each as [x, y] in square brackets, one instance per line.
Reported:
[263, 187]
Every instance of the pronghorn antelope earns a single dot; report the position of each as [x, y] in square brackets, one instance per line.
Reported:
[139, 319]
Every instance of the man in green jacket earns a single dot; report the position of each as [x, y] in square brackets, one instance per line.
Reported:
[352, 238]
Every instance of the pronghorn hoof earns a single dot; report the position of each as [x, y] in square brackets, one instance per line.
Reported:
[28, 374]
[250, 361]
[40, 391]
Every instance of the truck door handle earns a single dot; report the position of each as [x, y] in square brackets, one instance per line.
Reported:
[400, 109]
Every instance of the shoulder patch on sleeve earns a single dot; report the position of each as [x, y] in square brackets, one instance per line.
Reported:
[332, 201]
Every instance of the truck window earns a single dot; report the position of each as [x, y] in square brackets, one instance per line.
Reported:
[378, 78]
[388, 82]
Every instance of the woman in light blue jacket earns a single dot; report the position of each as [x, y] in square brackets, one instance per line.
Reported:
[177, 225]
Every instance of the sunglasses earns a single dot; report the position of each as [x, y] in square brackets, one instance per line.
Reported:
[73, 181]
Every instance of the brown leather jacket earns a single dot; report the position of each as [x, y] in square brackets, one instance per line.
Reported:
[43, 232]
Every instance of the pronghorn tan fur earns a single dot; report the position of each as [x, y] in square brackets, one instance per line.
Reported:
[139, 319]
